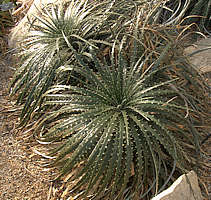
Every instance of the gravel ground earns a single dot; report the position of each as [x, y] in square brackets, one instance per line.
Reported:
[20, 178]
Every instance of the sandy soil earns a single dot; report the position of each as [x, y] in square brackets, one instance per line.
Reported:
[20, 177]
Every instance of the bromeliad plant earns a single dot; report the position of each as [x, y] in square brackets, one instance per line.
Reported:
[122, 132]
[124, 116]
[47, 47]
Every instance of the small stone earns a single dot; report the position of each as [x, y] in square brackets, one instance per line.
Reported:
[184, 188]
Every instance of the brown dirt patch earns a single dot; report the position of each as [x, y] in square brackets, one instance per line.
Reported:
[20, 177]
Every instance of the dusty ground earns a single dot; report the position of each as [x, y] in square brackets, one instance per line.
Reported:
[21, 174]
[20, 177]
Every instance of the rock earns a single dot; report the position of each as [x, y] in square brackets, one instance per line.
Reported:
[200, 59]
[22, 29]
[184, 188]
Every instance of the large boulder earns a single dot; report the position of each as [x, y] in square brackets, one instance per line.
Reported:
[184, 188]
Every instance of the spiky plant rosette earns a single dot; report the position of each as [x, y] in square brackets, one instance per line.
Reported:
[46, 47]
[121, 133]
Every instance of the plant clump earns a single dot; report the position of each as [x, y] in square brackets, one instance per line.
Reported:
[109, 87]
